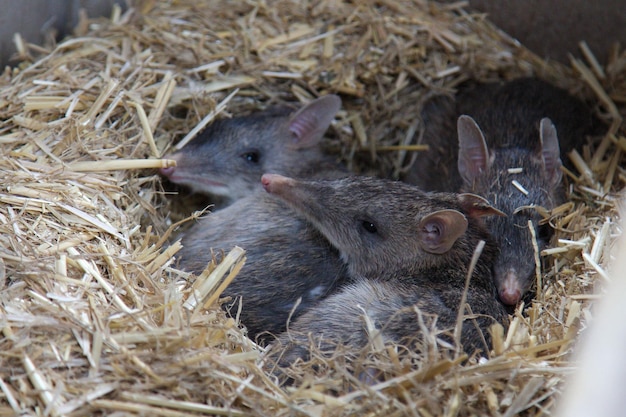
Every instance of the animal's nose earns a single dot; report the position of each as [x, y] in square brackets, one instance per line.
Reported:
[510, 290]
[167, 172]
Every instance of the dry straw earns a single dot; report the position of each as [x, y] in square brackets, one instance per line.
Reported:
[95, 317]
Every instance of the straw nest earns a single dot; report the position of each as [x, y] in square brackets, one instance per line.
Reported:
[95, 317]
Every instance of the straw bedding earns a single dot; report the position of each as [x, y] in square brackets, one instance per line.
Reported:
[95, 317]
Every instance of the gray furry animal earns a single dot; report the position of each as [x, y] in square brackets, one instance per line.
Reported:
[403, 249]
[228, 158]
[500, 141]
[290, 266]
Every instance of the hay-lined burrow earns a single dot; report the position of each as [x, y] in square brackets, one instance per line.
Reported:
[95, 317]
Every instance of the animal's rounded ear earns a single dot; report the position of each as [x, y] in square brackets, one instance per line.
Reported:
[439, 230]
[310, 122]
[473, 152]
[477, 206]
[550, 151]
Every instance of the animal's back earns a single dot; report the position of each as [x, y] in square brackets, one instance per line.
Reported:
[395, 310]
[436, 168]
[288, 261]
[509, 113]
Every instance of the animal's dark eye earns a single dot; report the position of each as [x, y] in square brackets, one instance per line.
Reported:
[251, 156]
[369, 226]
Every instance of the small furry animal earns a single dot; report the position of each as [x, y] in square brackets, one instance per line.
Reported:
[500, 141]
[290, 266]
[404, 249]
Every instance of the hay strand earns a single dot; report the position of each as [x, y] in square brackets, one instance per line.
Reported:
[120, 164]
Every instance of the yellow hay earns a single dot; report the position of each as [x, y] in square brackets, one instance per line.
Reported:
[96, 317]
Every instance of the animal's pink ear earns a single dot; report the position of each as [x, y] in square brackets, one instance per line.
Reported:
[550, 151]
[473, 153]
[439, 230]
[311, 121]
[476, 206]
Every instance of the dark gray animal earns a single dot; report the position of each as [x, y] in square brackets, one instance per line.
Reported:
[288, 260]
[500, 142]
[228, 158]
[404, 249]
